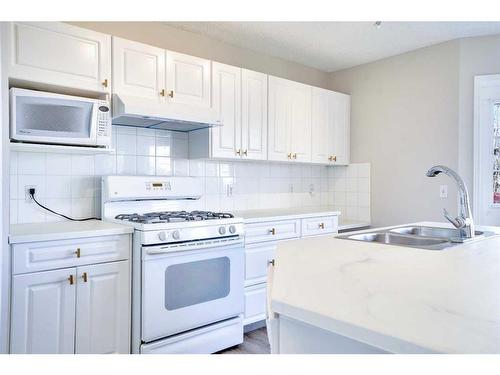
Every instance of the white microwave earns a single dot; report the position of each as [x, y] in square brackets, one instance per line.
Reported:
[44, 117]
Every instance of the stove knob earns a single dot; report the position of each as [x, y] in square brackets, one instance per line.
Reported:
[232, 229]
[222, 230]
[176, 235]
[162, 236]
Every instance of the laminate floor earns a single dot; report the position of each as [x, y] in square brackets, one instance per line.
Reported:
[254, 342]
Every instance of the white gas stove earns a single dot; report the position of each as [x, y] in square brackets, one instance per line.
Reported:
[188, 265]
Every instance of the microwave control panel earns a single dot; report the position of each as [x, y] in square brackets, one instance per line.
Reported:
[103, 120]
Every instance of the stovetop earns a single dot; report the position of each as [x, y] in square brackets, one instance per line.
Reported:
[173, 217]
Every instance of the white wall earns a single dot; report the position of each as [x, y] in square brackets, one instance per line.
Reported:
[404, 116]
[70, 184]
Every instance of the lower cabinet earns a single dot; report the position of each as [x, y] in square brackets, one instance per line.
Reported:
[74, 310]
[81, 308]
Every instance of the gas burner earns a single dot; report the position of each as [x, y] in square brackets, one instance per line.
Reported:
[173, 216]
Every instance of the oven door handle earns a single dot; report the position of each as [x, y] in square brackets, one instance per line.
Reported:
[163, 250]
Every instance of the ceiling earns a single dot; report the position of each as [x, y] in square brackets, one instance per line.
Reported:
[331, 46]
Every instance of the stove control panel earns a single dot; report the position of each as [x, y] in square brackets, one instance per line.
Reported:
[158, 185]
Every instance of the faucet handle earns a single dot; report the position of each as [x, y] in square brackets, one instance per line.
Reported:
[457, 222]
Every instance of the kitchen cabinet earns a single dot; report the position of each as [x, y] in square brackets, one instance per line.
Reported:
[188, 80]
[43, 312]
[289, 114]
[330, 127]
[57, 54]
[81, 308]
[254, 115]
[103, 304]
[138, 69]
[226, 95]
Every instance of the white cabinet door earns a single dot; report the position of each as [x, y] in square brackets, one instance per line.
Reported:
[341, 128]
[300, 122]
[279, 147]
[138, 69]
[254, 115]
[43, 312]
[226, 98]
[188, 79]
[59, 54]
[322, 125]
[103, 308]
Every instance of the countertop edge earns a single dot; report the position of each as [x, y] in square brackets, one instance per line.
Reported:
[376, 339]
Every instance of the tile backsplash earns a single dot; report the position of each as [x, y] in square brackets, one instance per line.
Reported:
[70, 183]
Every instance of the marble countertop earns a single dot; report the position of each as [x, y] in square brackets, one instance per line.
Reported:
[60, 230]
[400, 299]
[255, 216]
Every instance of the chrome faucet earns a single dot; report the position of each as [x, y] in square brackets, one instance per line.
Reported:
[464, 221]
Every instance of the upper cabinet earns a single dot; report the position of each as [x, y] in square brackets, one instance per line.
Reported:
[138, 69]
[226, 98]
[151, 72]
[253, 115]
[330, 127]
[188, 79]
[58, 54]
[289, 121]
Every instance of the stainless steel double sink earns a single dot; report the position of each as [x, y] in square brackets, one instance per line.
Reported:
[423, 237]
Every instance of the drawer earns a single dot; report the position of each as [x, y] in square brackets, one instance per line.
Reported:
[319, 225]
[255, 303]
[256, 258]
[272, 231]
[48, 255]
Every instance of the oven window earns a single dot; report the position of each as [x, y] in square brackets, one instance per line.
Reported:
[188, 284]
[53, 117]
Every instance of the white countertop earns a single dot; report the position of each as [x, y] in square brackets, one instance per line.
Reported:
[255, 216]
[396, 298]
[61, 230]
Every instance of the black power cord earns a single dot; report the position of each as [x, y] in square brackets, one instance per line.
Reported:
[32, 194]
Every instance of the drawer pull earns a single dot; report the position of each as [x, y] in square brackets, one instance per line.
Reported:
[245, 153]
[289, 156]
[273, 231]
[78, 253]
[295, 156]
[162, 92]
[238, 152]
[171, 94]
[269, 262]
[322, 226]
[85, 277]
[71, 280]
[105, 83]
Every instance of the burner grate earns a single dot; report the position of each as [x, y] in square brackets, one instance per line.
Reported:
[173, 216]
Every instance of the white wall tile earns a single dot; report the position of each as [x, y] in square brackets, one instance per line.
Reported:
[83, 186]
[82, 207]
[59, 205]
[145, 146]
[146, 165]
[13, 211]
[126, 144]
[58, 164]
[163, 166]
[13, 162]
[31, 163]
[180, 148]
[82, 165]
[105, 165]
[59, 186]
[29, 212]
[181, 167]
[163, 146]
[126, 165]
[196, 168]
[13, 190]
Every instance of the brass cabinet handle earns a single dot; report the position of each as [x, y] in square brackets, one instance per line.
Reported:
[332, 158]
[71, 280]
[238, 152]
[85, 277]
[295, 156]
[105, 83]
[272, 231]
[162, 92]
[270, 262]
[78, 253]
[245, 152]
[289, 156]
[322, 226]
[171, 93]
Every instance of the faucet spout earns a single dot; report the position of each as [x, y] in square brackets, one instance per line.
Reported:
[464, 221]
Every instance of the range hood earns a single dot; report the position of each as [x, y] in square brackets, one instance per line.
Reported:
[146, 113]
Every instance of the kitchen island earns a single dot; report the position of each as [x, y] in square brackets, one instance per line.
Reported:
[332, 295]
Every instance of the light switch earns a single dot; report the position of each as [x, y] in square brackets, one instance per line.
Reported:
[443, 191]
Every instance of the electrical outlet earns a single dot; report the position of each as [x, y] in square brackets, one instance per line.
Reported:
[443, 191]
[27, 195]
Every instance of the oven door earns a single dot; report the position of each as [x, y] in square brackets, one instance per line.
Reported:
[183, 290]
[43, 117]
